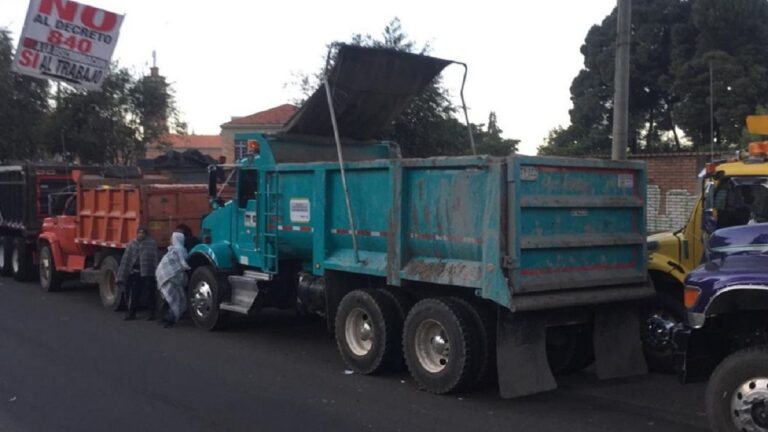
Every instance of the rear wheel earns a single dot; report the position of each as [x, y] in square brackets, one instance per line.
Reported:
[368, 329]
[737, 392]
[21, 260]
[112, 296]
[6, 250]
[442, 346]
[204, 298]
[50, 279]
[569, 348]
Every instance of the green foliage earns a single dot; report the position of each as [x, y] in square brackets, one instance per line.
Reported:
[23, 108]
[673, 44]
[113, 125]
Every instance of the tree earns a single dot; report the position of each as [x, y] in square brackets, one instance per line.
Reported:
[650, 96]
[490, 141]
[674, 43]
[114, 125]
[428, 127]
[23, 108]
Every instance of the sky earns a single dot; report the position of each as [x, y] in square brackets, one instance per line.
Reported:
[233, 58]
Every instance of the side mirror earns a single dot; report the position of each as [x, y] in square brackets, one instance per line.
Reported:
[212, 181]
[708, 222]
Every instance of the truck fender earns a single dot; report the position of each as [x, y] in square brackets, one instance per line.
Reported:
[218, 255]
[664, 264]
[738, 298]
[53, 242]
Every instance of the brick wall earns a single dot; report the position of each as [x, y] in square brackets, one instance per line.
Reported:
[673, 188]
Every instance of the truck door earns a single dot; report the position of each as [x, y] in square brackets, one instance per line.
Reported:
[246, 224]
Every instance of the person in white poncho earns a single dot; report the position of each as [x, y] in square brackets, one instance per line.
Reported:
[172, 279]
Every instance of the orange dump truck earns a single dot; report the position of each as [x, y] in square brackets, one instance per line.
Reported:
[102, 217]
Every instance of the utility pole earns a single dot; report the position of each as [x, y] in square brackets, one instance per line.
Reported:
[711, 115]
[621, 81]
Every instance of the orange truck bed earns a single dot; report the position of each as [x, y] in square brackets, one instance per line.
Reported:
[110, 215]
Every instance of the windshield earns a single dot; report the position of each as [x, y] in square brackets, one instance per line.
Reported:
[741, 201]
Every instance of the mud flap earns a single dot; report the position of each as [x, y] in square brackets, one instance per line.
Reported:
[521, 354]
[618, 350]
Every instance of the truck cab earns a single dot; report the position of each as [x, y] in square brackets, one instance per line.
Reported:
[734, 193]
[727, 328]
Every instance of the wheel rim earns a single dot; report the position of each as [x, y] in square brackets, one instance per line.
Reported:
[45, 266]
[433, 350]
[109, 288]
[202, 300]
[15, 260]
[749, 405]
[358, 331]
[2, 257]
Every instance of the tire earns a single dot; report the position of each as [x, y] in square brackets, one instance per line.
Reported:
[205, 295]
[6, 251]
[487, 348]
[21, 260]
[50, 279]
[741, 377]
[442, 345]
[403, 302]
[569, 348]
[112, 295]
[658, 321]
[368, 328]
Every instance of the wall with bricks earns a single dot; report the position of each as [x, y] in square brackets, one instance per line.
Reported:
[673, 188]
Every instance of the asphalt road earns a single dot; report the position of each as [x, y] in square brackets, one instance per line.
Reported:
[68, 364]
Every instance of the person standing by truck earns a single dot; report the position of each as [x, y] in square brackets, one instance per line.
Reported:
[137, 273]
[172, 278]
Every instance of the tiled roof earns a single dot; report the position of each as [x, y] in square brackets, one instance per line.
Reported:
[193, 141]
[275, 116]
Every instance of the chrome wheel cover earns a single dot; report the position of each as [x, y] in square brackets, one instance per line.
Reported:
[358, 332]
[433, 349]
[749, 405]
[15, 264]
[45, 267]
[202, 300]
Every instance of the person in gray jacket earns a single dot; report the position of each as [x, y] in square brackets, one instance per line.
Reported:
[136, 274]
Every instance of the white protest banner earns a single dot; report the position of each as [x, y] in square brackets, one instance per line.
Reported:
[67, 41]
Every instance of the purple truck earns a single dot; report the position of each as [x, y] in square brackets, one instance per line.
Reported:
[727, 328]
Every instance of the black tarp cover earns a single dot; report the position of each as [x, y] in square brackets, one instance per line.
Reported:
[370, 88]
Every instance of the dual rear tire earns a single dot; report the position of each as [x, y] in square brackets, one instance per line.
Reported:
[443, 341]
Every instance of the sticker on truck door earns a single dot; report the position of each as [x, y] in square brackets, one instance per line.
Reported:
[626, 181]
[529, 173]
[299, 210]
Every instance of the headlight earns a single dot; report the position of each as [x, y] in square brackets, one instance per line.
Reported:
[652, 245]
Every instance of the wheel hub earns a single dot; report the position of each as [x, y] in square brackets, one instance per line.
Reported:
[433, 348]
[749, 406]
[658, 331]
[358, 332]
[45, 265]
[202, 300]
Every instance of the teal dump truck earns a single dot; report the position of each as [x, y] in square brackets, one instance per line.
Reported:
[451, 265]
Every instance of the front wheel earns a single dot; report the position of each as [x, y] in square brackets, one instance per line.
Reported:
[50, 279]
[737, 392]
[204, 298]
